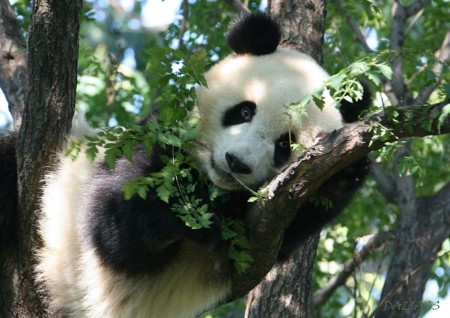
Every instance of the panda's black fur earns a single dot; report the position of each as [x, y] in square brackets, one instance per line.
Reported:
[129, 236]
[257, 34]
[130, 253]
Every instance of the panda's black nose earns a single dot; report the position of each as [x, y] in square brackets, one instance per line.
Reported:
[236, 165]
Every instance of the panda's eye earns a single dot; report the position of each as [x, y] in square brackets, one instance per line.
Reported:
[246, 113]
[239, 114]
[284, 144]
[282, 151]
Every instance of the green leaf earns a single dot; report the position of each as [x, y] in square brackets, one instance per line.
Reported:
[374, 78]
[319, 101]
[336, 81]
[142, 192]
[128, 190]
[163, 192]
[386, 70]
[91, 153]
[359, 68]
[110, 157]
[128, 149]
[93, 138]
[228, 233]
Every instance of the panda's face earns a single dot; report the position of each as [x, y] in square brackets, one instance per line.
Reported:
[245, 127]
[247, 147]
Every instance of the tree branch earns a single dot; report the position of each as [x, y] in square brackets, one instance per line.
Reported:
[350, 266]
[443, 56]
[414, 21]
[238, 5]
[385, 183]
[185, 13]
[416, 7]
[267, 221]
[439, 203]
[396, 89]
[13, 63]
[401, 94]
[354, 26]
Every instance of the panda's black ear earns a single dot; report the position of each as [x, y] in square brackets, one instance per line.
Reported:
[255, 34]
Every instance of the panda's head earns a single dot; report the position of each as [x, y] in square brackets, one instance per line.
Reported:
[245, 127]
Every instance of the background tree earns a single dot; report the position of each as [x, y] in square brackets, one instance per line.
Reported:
[402, 211]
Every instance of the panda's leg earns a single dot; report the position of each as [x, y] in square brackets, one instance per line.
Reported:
[312, 217]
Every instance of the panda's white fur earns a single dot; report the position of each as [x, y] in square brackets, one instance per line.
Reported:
[79, 272]
[272, 82]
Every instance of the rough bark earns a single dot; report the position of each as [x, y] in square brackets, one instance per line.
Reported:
[302, 24]
[13, 64]
[50, 102]
[420, 233]
[286, 289]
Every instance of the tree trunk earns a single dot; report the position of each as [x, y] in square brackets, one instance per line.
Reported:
[13, 72]
[424, 224]
[49, 107]
[286, 290]
[13, 64]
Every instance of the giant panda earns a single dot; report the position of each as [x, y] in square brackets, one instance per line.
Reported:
[104, 256]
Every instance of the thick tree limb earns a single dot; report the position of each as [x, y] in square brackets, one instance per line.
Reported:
[350, 266]
[287, 192]
[13, 63]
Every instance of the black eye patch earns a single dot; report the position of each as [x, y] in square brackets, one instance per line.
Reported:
[239, 114]
[282, 151]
